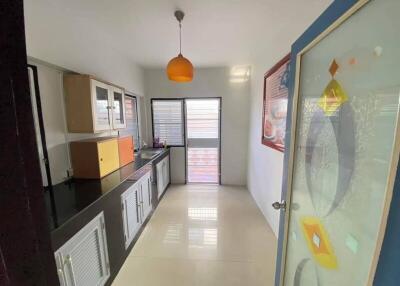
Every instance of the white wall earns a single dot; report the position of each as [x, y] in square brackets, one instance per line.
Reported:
[265, 165]
[57, 35]
[209, 82]
[59, 40]
[54, 120]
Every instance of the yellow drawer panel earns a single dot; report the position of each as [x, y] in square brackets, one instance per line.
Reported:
[108, 156]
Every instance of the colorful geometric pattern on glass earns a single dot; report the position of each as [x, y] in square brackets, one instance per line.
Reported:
[348, 104]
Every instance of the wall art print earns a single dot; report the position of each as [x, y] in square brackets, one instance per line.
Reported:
[275, 105]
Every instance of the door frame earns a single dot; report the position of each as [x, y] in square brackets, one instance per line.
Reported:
[183, 99]
[26, 255]
[337, 13]
[219, 98]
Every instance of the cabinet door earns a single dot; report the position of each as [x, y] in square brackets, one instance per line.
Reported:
[160, 178]
[131, 213]
[83, 260]
[118, 108]
[101, 103]
[108, 156]
[126, 150]
[145, 184]
[166, 172]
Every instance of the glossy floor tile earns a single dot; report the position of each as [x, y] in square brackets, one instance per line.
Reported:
[203, 235]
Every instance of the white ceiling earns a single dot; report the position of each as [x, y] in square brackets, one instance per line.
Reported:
[215, 32]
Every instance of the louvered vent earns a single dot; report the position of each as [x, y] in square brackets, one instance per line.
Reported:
[131, 215]
[86, 261]
[168, 121]
[83, 260]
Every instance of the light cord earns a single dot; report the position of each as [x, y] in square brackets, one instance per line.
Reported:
[180, 38]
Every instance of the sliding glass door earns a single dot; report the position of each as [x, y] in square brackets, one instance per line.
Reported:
[203, 140]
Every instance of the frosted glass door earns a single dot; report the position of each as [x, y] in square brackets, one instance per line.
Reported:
[347, 108]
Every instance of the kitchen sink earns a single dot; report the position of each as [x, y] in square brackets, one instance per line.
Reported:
[149, 154]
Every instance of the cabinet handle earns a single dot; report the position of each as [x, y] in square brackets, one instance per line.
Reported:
[61, 277]
[137, 206]
[68, 260]
[149, 190]
[101, 159]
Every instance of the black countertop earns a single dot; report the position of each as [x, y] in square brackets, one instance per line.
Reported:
[73, 196]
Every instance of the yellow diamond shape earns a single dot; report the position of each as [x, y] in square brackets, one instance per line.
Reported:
[332, 98]
[318, 242]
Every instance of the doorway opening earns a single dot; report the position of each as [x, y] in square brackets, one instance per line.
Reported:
[203, 140]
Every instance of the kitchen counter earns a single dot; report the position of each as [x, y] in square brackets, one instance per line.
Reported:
[74, 196]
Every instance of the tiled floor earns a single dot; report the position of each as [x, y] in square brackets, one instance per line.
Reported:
[202, 235]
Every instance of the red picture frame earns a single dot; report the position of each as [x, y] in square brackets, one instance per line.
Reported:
[275, 105]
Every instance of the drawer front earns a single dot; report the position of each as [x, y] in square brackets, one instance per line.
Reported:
[108, 156]
[126, 149]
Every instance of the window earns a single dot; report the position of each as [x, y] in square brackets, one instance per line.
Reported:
[167, 116]
[132, 122]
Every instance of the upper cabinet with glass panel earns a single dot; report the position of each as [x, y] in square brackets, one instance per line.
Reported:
[118, 108]
[93, 106]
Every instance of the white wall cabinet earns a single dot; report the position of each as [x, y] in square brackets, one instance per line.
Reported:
[136, 206]
[83, 260]
[163, 178]
[93, 106]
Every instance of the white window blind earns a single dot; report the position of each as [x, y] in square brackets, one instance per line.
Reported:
[132, 124]
[202, 118]
[168, 121]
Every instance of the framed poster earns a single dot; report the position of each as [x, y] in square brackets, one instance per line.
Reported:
[275, 105]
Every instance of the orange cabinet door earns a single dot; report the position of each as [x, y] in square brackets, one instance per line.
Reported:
[108, 156]
[126, 149]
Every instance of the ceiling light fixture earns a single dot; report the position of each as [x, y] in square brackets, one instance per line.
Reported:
[180, 69]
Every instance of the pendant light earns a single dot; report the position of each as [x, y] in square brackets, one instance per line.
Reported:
[180, 69]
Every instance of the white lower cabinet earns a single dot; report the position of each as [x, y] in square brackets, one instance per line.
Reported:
[136, 206]
[130, 202]
[160, 178]
[145, 185]
[83, 260]
[162, 169]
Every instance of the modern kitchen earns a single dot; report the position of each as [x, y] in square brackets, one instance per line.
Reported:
[106, 182]
[203, 143]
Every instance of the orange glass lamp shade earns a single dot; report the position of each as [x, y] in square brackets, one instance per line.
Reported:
[180, 69]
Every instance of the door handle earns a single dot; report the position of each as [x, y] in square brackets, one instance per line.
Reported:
[279, 205]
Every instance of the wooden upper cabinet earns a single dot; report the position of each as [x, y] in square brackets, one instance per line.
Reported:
[93, 106]
[94, 158]
[126, 150]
